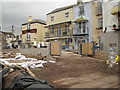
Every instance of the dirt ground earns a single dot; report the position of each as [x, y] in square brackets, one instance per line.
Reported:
[74, 71]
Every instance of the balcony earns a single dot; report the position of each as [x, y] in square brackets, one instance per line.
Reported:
[80, 32]
[63, 32]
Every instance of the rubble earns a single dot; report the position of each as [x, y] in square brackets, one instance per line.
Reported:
[7, 55]
[22, 61]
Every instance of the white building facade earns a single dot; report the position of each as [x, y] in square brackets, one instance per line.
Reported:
[111, 16]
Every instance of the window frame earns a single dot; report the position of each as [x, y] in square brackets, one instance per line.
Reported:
[28, 36]
[52, 30]
[67, 28]
[67, 14]
[81, 10]
[100, 23]
[52, 18]
[99, 8]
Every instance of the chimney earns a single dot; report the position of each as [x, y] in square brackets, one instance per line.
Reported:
[12, 29]
[29, 18]
[79, 1]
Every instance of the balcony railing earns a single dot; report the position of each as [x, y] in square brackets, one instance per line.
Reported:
[60, 33]
[78, 31]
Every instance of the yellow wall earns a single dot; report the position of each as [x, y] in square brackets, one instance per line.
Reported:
[60, 16]
[96, 33]
[39, 35]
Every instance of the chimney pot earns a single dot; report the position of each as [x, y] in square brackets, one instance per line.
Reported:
[29, 18]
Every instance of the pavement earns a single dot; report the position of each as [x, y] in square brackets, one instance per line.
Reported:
[76, 71]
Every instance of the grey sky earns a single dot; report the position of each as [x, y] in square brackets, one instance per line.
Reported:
[15, 12]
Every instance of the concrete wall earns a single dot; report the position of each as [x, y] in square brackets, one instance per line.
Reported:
[111, 37]
[10, 50]
[119, 42]
[36, 51]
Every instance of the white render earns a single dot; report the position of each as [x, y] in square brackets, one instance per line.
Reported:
[108, 18]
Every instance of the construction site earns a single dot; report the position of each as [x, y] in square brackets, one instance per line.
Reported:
[60, 45]
[70, 70]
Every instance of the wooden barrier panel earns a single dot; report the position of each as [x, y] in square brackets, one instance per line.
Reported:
[55, 48]
[87, 48]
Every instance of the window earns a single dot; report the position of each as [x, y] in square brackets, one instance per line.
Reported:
[84, 27]
[59, 31]
[52, 18]
[79, 29]
[67, 14]
[52, 31]
[99, 8]
[28, 36]
[66, 28]
[81, 10]
[28, 26]
[100, 23]
[83, 41]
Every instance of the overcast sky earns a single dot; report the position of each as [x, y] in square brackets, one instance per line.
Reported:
[15, 12]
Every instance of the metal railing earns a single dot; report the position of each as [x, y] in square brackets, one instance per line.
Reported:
[60, 33]
[80, 31]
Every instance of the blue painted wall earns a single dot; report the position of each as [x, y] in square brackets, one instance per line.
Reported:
[87, 14]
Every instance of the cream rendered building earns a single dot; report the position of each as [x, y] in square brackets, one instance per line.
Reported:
[59, 26]
[32, 30]
[97, 20]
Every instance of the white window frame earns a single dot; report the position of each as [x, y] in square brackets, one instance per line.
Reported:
[99, 7]
[28, 36]
[100, 23]
[81, 10]
[52, 30]
[67, 28]
[59, 31]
